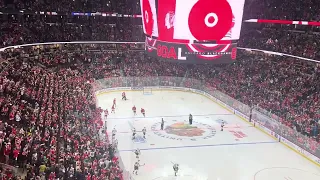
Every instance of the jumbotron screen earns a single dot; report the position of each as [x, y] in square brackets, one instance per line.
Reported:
[204, 30]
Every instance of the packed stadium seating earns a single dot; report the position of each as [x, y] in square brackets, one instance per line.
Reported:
[43, 127]
[43, 124]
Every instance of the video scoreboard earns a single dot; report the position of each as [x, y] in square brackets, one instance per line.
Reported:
[192, 31]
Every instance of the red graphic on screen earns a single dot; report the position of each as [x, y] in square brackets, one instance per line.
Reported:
[147, 17]
[150, 44]
[166, 19]
[210, 20]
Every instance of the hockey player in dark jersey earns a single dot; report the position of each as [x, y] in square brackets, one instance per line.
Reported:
[176, 169]
[137, 153]
[136, 167]
[222, 125]
[144, 131]
[190, 119]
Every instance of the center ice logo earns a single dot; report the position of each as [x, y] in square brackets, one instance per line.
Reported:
[182, 131]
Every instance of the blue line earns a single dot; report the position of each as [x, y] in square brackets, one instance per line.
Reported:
[206, 145]
[174, 116]
[130, 124]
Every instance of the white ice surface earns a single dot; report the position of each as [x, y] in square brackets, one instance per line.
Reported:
[222, 157]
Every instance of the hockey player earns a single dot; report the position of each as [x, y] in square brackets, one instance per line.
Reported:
[113, 138]
[106, 113]
[190, 119]
[134, 132]
[115, 144]
[113, 109]
[162, 124]
[114, 131]
[144, 131]
[136, 167]
[134, 109]
[114, 102]
[137, 153]
[222, 125]
[124, 97]
[143, 112]
[176, 169]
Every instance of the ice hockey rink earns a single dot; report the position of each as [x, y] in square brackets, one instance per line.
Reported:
[240, 152]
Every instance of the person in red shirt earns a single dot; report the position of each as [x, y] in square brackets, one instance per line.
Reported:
[7, 151]
[16, 154]
[94, 177]
[114, 102]
[52, 176]
[112, 176]
[113, 109]
[106, 113]
[143, 112]
[11, 116]
[134, 109]
[124, 97]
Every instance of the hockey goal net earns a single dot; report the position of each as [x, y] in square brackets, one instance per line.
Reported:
[147, 91]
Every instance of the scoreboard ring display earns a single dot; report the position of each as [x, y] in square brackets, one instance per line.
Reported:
[192, 31]
[191, 52]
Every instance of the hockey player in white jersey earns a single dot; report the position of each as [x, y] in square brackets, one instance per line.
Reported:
[114, 131]
[144, 131]
[115, 144]
[134, 132]
[137, 153]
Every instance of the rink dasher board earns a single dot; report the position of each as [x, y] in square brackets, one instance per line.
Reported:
[315, 160]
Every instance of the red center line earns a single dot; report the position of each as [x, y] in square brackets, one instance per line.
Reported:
[226, 127]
